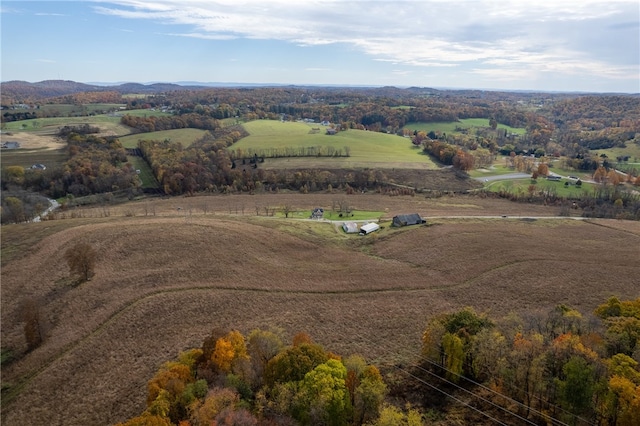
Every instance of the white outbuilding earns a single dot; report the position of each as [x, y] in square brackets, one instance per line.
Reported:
[350, 227]
[368, 228]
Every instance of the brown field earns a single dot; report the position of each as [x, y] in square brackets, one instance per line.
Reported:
[165, 279]
[31, 141]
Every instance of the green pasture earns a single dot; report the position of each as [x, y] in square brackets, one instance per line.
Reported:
[146, 174]
[27, 158]
[467, 123]
[184, 136]
[632, 150]
[366, 148]
[108, 123]
[52, 123]
[521, 186]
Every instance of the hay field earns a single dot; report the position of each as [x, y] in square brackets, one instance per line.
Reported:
[367, 149]
[164, 280]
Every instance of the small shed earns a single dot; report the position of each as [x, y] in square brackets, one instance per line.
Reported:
[408, 219]
[369, 228]
[317, 213]
[350, 227]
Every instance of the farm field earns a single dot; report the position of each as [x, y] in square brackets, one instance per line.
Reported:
[632, 150]
[466, 123]
[23, 158]
[170, 270]
[367, 149]
[542, 184]
[109, 125]
[184, 136]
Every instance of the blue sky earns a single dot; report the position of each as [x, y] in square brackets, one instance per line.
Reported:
[556, 45]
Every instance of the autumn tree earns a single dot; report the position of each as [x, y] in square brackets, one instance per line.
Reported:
[324, 394]
[543, 169]
[229, 349]
[293, 363]
[262, 346]
[81, 259]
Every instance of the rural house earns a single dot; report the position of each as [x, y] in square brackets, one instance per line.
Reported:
[408, 219]
[317, 213]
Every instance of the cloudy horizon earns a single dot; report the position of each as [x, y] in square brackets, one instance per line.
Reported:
[588, 45]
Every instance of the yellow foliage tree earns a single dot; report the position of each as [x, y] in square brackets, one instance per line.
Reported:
[223, 354]
[627, 397]
[228, 350]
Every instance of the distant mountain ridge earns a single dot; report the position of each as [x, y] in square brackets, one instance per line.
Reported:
[23, 91]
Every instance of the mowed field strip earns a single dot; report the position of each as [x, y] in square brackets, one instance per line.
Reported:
[164, 281]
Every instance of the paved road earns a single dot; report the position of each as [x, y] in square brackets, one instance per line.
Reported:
[53, 204]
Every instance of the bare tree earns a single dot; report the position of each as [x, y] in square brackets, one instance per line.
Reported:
[33, 324]
[81, 259]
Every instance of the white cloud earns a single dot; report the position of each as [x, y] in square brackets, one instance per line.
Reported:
[507, 39]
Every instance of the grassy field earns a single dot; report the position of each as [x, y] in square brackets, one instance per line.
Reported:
[467, 123]
[169, 271]
[366, 148]
[146, 174]
[542, 184]
[632, 149]
[108, 123]
[184, 136]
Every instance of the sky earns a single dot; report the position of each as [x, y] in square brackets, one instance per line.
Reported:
[548, 45]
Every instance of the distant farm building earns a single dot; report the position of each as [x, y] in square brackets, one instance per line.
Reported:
[331, 131]
[317, 213]
[408, 219]
[11, 145]
[350, 227]
[369, 228]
